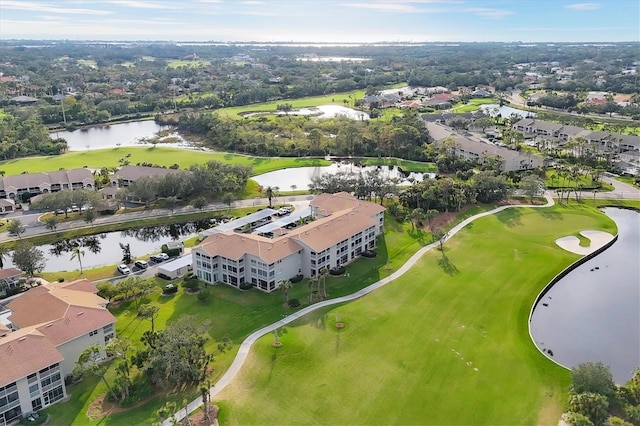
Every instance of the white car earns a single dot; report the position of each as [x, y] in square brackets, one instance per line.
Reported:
[124, 269]
[160, 257]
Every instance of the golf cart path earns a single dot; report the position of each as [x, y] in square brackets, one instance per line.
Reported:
[245, 346]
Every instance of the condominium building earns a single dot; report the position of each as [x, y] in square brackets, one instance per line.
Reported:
[42, 334]
[341, 228]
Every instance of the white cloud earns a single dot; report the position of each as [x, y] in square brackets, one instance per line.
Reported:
[583, 6]
[141, 4]
[39, 7]
[486, 12]
[384, 6]
[252, 2]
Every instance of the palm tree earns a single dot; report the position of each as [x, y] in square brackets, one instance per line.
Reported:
[4, 251]
[323, 275]
[77, 253]
[285, 286]
[268, 192]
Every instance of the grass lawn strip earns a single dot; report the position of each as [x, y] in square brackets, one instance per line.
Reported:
[164, 156]
[409, 353]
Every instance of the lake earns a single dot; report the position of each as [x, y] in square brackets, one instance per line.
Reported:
[111, 136]
[301, 176]
[104, 249]
[505, 111]
[593, 314]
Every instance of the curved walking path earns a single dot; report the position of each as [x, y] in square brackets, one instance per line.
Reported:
[245, 346]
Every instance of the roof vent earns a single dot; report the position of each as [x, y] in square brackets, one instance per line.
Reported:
[80, 313]
[22, 339]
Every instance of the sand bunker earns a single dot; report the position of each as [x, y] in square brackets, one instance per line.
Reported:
[597, 239]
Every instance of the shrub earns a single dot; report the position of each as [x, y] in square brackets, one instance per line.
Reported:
[369, 254]
[245, 286]
[61, 280]
[170, 289]
[293, 303]
[338, 271]
[190, 284]
[203, 296]
[296, 279]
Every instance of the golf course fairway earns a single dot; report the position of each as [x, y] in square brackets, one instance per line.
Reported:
[446, 343]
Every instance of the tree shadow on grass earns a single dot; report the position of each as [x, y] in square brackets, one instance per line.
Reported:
[447, 267]
[550, 214]
[419, 235]
[510, 217]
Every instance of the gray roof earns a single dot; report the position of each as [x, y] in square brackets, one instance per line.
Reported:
[438, 132]
[276, 224]
[547, 125]
[133, 173]
[34, 180]
[484, 149]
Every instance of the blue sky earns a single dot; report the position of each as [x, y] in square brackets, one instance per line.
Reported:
[322, 20]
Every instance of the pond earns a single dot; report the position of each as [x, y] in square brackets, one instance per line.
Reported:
[111, 136]
[330, 111]
[104, 249]
[505, 111]
[592, 314]
[301, 176]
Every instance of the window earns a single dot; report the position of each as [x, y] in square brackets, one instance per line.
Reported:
[36, 404]
[93, 333]
[53, 395]
[108, 328]
[107, 338]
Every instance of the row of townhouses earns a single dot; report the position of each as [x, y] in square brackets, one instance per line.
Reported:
[625, 147]
[12, 187]
[42, 334]
[477, 150]
[341, 228]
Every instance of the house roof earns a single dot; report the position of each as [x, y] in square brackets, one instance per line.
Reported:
[484, 149]
[546, 125]
[326, 232]
[26, 351]
[9, 272]
[133, 173]
[234, 246]
[77, 321]
[437, 132]
[31, 180]
[332, 203]
[54, 303]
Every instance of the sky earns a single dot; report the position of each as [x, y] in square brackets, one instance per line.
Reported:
[329, 21]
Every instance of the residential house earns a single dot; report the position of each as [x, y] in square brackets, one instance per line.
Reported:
[52, 324]
[42, 183]
[7, 206]
[129, 174]
[9, 278]
[343, 228]
[511, 160]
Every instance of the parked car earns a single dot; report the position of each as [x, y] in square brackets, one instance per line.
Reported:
[124, 269]
[160, 257]
[75, 208]
[141, 264]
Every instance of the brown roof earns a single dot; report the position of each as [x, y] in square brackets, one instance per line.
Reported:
[332, 203]
[78, 321]
[26, 351]
[53, 302]
[234, 246]
[9, 272]
[326, 232]
[36, 306]
[31, 180]
[79, 285]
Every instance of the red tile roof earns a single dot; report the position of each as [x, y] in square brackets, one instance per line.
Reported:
[25, 351]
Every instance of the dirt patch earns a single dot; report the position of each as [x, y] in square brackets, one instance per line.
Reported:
[100, 408]
[200, 419]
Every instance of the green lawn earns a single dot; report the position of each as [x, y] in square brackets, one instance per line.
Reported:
[163, 156]
[554, 180]
[232, 314]
[447, 343]
[312, 101]
[187, 63]
[472, 105]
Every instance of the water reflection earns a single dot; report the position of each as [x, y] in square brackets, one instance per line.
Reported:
[173, 231]
[302, 176]
[91, 243]
[592, 314]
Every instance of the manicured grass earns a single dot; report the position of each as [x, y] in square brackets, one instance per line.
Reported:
[158, 155]
[409, 352]
[186, 63]
[234, 314]
[406, 165]
[629, 180]
[472, 105]
[312, 101]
